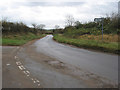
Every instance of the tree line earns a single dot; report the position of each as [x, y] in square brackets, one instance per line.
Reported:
[15, 27]
[111, 25]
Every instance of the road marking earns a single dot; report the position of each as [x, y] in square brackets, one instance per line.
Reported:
[26, 72]
[20, 67]
[28, 75]
[18, 63]
[38, 84]
[31, 78]
[38, 81]
[16, 57]
[34, 81]
[8, 64]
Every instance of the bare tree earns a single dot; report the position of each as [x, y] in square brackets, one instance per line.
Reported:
[70, 20]
[57, 26]
[35, 26]
[77, 23]
[41, 26]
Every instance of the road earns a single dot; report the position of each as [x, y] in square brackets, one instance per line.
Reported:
[46, 63]
[99, 63]
[12, 77]
[0, 67]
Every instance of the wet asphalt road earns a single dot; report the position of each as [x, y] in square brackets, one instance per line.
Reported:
[102, 64]
[53, 65]
[0, 67]
[12, 77]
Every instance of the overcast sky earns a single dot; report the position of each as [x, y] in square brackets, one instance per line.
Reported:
[53, 12]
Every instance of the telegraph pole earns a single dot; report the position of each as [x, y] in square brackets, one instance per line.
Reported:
[102, 30]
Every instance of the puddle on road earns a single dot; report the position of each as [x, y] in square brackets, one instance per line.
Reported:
[56, 64]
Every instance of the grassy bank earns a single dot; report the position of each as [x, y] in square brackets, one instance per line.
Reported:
[19, 39]
[111, 47]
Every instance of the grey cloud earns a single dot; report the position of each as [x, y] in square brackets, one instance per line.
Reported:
[48, 4]
[83, 14]
[101, 9]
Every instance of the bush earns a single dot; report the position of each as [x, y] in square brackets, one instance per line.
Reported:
[14, 28]
[111, 25]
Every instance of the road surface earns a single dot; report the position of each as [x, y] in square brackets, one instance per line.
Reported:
[49, 64]
[12, 77]
[99, 63]
[0, 67]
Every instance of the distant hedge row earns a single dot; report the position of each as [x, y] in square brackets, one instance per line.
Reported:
[12, 28]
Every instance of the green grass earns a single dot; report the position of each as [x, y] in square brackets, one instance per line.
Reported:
[0, 41]
[16, 40]
[111, 47]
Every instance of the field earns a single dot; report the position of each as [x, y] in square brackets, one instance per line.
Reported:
[109, 44]
[19, 39]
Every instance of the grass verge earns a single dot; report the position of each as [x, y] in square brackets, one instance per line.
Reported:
[111, 47]
[16, 40]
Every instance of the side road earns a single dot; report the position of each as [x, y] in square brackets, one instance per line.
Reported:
[12, 77]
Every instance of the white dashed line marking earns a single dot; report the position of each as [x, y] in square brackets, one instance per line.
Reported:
[16, 57]
[31, 78]
[38, 81]
[28, 75]
[18, 63]
[20, 68]
[26, 72]
[38, 84]
[34, 81]
[8, 64]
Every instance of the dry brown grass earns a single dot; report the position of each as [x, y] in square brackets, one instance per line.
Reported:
[106, 37]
